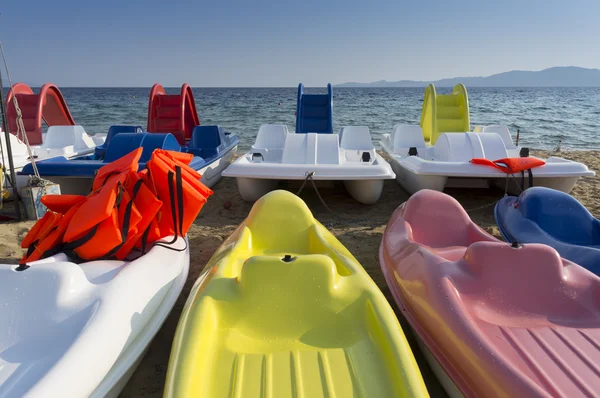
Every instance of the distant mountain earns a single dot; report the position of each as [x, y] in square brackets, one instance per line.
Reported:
[559, 76]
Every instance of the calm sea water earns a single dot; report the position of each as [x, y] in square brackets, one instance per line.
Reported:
[543, 115]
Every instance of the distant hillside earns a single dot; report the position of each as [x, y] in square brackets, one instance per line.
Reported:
[559, 76]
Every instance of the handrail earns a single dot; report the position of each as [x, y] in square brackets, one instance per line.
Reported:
[429, 101]
[298, 106]
[156, 90]
[330, 94]
[461, 91]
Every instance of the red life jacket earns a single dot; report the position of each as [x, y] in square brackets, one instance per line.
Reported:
[510, 165]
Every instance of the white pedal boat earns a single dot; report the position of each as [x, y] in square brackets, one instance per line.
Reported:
[80, 330]
[67, 141]
[446, 164]
[279, 155]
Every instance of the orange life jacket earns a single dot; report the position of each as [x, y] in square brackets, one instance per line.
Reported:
[179, 188]
[49, 240]
[125, 164]
[146, 202]
[125, 209]
[510, 165]
[61, 203]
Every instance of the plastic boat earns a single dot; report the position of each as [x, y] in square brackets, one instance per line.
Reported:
[288, 314]
[213, 149]
[437, 153]
[79, 330]
[495, 320]
[554, 218]
[279, 155]
[62, 138]
[66, 142]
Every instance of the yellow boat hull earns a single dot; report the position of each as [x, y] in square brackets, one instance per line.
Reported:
[284, 310]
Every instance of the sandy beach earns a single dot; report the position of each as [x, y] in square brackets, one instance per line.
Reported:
[358, 227]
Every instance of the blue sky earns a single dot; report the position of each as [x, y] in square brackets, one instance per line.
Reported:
[237, 43]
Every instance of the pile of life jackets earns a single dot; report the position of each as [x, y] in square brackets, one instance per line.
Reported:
[126, 209]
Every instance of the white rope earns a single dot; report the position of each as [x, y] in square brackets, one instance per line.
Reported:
[20, 126]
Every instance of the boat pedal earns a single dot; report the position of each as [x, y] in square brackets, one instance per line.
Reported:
[412, 151]
[288, 259]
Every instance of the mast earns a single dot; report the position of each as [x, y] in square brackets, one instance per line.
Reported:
[11, 164]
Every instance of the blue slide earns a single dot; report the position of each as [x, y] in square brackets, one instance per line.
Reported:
[314, 112]
[554, 218]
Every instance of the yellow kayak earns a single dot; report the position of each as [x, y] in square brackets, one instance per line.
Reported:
[284, 310]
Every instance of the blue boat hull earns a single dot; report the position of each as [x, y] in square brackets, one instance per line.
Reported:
[553, 218]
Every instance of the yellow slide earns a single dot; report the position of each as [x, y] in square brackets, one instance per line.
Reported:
[283, 310]
[444, 113]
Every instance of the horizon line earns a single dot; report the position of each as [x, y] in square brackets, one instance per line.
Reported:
[295, 87]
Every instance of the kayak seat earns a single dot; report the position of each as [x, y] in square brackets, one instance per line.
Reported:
[560, 215]
[357, 145]
[100, 150]
[440, 222]
[270, 141]
[59, 137]
[207, 141]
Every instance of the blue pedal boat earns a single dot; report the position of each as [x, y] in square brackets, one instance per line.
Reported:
[212, 147]
[554, 218]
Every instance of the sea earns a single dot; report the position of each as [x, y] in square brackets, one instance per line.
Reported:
[544, 117]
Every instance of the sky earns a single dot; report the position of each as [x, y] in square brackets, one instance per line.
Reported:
[256, 43]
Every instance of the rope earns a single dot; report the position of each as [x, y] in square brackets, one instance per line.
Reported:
[309, 176]
[20, 126]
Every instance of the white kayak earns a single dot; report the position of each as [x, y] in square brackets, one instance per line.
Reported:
[80, 330]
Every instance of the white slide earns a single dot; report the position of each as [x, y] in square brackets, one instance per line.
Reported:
[447, 163]
[80, 330]
[279, 155]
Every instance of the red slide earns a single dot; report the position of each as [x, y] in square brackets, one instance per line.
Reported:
[49, 105]
[172, 113]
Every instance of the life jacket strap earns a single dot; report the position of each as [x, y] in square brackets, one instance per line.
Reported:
[126, 221]
[530, 175]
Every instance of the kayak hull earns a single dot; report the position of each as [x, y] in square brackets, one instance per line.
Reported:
[494, 326]
[288, 314]
[89, 323]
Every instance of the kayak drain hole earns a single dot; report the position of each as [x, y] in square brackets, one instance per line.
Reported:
[22, 267]
[288, 259]
[516, 245]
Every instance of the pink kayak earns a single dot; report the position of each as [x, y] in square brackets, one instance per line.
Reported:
[499, 321]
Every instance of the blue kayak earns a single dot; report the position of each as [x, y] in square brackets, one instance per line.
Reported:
[554, 218]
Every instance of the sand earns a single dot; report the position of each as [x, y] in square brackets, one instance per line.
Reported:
[358, 227]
